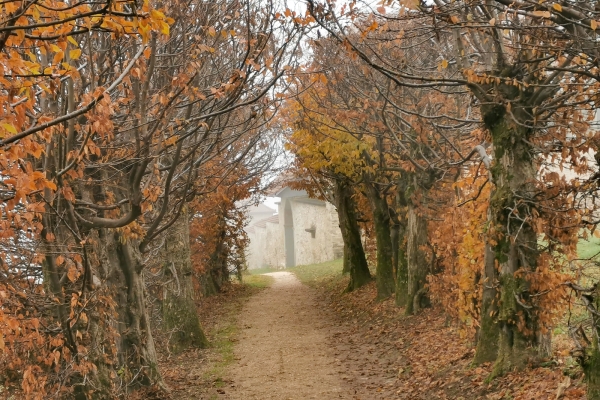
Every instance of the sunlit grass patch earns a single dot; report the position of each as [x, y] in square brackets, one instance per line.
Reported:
[315, 274]
[260, 271]
[587, 248]
[257, 281]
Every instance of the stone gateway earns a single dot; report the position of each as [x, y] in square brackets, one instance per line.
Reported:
[301, 231]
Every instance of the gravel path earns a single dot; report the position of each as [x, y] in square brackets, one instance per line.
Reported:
[283, 350]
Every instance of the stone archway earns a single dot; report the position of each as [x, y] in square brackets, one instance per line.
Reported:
[288, 227]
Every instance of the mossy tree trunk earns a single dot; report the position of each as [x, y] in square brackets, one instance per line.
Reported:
[591, 368]
[589, 354]
[355, 260]
[114, 326]
[513, 236]
[345, 258]
[180, 318]
[384, 273]
[216, 273]
[417, 260]
[401, 267]
[121, 270]
[487, 338]
[399, 260]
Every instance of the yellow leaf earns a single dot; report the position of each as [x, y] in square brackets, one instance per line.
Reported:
[75, 54]
[36, 13]
[593, 24]
[212, 32]
[10, 128]
[557, 7]
[164, 28]
[157, 15]
[73, 41]
[444, 63]
[20, 34]
[144, 31]
[57, 57]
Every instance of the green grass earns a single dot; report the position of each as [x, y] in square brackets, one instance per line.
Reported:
[588, 248]
[222, 339]
[315, 274]
[223, 344]
[260, 271]
[257, 281]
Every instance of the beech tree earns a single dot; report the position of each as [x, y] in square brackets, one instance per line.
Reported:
[530, 70]
[329, 160]
[106, 130]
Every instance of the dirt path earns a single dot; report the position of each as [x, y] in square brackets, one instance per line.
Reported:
[284, 350]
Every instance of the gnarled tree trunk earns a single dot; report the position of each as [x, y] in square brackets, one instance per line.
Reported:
[418, 264]
[384, 273]
[180, 317]
[354, 255]
[401, 265]
[216, 272]
[399, 255]
[590, 359]
[487, 337]
[515, 241]
[136, 352]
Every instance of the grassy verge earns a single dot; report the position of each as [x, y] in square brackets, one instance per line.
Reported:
[224, 334]
[222, 343]
[318, 274]
[260, 271]
[257, 281]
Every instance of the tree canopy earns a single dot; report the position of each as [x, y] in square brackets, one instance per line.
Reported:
[457, 140]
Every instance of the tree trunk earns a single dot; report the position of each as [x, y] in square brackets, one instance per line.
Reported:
[487, 338]
[515, 241]
[354, 254]
[418, 265]
[384, 273]
[216, 273]
[346, 254]
[400, 261]
[136, 353]
[401, 267]
[591, 359]
[180, 317]
[591, 368]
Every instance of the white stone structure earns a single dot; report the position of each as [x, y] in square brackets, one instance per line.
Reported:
[304, 231]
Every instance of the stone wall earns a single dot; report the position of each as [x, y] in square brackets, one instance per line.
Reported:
[314, 219]
[316, 234]
[266, 246]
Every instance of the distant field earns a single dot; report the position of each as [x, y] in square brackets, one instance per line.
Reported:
[588, 248]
